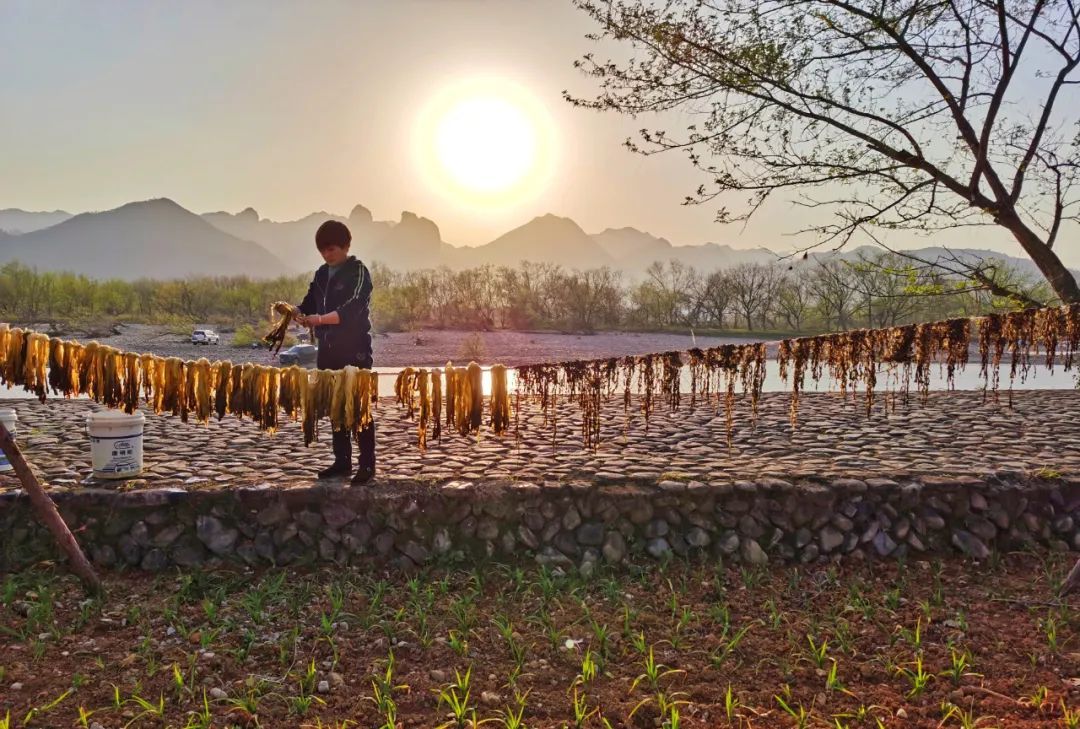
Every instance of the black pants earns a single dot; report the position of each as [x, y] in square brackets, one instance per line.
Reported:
[331, 359]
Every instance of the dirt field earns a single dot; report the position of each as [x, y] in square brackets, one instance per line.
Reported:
[924, 644]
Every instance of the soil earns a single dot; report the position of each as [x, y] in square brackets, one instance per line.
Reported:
[263, 643]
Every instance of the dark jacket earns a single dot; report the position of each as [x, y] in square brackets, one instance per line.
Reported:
[349, 294]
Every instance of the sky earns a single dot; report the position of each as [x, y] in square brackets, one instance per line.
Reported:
[293, 107]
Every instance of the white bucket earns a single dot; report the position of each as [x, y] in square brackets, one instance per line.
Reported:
[10, 419]
[116, 443]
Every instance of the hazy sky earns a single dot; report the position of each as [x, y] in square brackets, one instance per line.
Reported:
[293, 107]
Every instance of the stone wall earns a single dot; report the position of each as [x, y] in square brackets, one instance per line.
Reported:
[558, 523]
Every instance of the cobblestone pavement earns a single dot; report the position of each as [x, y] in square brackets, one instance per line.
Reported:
[954, 433]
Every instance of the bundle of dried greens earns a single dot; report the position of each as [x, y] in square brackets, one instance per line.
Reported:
[133, 375]
[451, 394]
[671, 363]
[500, 400]
[222, 386]
[423, 388]
[35, 366]
[405, 390]
[282, 314]
[436, 404]
[475, 376]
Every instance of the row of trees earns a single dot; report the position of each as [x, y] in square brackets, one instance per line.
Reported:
[881, 289]
[874, 290]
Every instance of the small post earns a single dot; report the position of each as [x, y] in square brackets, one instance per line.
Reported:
[48, 514]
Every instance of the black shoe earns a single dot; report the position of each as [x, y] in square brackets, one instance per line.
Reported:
[338, 470]
[363, 476]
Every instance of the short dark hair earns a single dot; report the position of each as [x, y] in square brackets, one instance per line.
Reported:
[332, 233]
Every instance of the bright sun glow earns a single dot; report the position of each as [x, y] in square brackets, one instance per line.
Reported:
[485, 143]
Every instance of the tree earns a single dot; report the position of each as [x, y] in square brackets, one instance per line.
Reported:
[753, 286]
[882, 284]
[714, 297]
[793, 301]
[667, 291]
[921, 115]
[592, 298]
[830, 284]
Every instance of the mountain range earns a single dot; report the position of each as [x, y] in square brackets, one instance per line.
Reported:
[161, 239]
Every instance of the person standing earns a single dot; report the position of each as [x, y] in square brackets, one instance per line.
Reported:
[338, 305]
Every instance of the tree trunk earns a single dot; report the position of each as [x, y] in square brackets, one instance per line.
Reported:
[47, 513]
[1060, 278]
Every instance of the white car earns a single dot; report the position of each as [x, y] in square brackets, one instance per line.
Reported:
[204, 336]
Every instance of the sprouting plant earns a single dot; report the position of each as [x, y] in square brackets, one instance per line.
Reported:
[776, 618]
[731, 704]
[685, 618]
[959, 664]
[178, 679]
[832, 680]
[1070, 717]
[892, 599]
[588, 669]
[800, 713]
[463, 609]
[548, 627]
[654, 672]
[917, 676]
[203, 718]
[307, 681]
[637, 640]
[751, 576]
[858, 601]
[150, 709]
[629, 616]
[458, 643]
[965, 719]
[383, 689]
[513, 720]
[1038, 700]
[601, 634]
[301, 705]
[45, 708]
[914, 636]
[1049, 628]
[84, 718]
[727, 644]
[818, 651]
[580, 706]
[456, 698]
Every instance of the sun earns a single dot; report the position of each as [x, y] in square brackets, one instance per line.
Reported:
[485, 143]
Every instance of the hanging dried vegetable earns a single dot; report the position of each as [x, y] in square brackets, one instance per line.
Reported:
[500, 400]
[282, 314]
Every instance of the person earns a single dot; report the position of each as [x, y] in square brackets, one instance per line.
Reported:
[337, 305]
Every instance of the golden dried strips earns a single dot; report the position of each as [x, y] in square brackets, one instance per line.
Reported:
[200, 389]
[282, 314]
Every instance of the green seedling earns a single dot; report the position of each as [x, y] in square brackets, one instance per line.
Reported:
[959, 665]
[581, 710]
[727, 645]
[964, 719]
[818, 652]
[44, 709]
[1070, 718]
[731, 704]
[654, 673]
[799, 713]
[917, 676]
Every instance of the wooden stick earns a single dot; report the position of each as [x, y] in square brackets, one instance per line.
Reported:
[48, 514]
